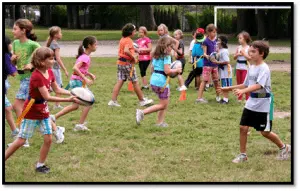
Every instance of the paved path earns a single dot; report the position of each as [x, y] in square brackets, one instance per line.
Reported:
[110, 48]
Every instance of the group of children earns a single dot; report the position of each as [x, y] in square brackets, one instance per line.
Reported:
[39, 71]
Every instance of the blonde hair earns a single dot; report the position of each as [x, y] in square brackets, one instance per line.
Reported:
[52, 32]
[144, 29]
[164, 27]
[179, 32]
[161, 47]
[39, 55]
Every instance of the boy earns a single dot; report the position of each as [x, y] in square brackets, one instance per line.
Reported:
[257, 108]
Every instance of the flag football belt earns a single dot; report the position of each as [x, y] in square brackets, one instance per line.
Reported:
[160, 72]
[260, 95]
[242, 61]
[180, 57]
[23, 71]
[37, 101]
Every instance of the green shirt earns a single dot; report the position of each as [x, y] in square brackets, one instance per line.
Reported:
[24, 51]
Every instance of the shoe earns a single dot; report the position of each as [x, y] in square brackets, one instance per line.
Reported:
[206, 89]
[59, 134]
[58, 107]
[52, 117]
[240, 158]
[223, 101]
[284, 153]
[139, 116]
[183, 88]
[146, 101]
[201, 100]
[163, 124]
[81, 127]
[14, 134]
[218, 99]
[145, 87]
[43, 169]
[26, 144]
[114, 103]
[178, 88]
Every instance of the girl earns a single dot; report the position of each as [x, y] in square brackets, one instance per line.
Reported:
[159, 83]
[144, 50]
[241, 55]
[38, 115]
[179, 55]
[162, 31]
[54, 35]
[23, 47]
[126, 69]
[79, 78]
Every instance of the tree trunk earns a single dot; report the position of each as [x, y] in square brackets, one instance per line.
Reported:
[147, 17]
[47, 16]
[261, 30]
[69, 15]
[273, 18]
[75, 16]
[241, 24]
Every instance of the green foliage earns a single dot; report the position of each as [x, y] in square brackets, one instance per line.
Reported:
[59, 15]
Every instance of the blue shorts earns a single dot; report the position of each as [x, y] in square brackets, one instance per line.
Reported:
[7, 103]
[24, 89]
[28, 125]
[58, 78]
[225, 82]
[75, 84]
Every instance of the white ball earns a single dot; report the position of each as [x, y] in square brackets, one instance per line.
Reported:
[85, 96]
[174, 65]
[135, 45]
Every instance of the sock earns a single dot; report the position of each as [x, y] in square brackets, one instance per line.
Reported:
[39, 164]
[282, 147]
[218, 98]
[225, 99]
[207, 85]
[244, 154]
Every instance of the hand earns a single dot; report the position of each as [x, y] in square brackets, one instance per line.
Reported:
[28, 67]
[14, 58]
[238, 92]
[74, 99]
[93, 77]
[66, 73]
[88, 82]
[213, 60]
[242, 52]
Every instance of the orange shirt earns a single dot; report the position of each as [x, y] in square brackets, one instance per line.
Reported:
[125, 42]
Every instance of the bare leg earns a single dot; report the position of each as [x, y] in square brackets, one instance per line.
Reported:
[66, 110]
[216, 84]
[273, 137]
[180, 80]
[138, 90]
[116, 90]
[9, 118]
[19, 142]
[84, 114]
[161, 108]
[144, 80]
[243, 138]
[45, 148]
[201, 89]
[18, 106]
[197, 82]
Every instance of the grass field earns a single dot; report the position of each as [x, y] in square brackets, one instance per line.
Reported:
[78, 35]
[198, 145]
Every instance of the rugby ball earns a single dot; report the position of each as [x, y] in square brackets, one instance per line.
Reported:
[135, 45]
[84, 95]
[174, 65]
[214, 56]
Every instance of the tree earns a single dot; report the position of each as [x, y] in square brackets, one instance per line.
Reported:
[147, 17]
[241, 24]
[261, 31]
[75, 16]
[69, 16]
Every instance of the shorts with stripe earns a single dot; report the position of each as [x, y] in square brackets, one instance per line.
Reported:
[28, 125]
[124, 73]
[226, 82]
[24, 89]
[258, 120]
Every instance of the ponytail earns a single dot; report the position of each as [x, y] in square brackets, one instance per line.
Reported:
[89, 40]
[49, 40]
[31, 36]
[80, 51]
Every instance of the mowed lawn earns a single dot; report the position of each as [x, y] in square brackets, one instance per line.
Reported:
[198, 145]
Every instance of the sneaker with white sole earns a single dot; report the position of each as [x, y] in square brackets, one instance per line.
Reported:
[146, 101]
[59, 134]
[201, 100]
[81, 127]
[26, 144]
[139, 116]
[113, 103]
[163, 124]
[58, 107]
[284, 153]
[183, 88]
[240, 158]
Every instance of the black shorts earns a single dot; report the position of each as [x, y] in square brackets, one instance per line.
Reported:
[259, 120]
[183, 64]
[198, 71]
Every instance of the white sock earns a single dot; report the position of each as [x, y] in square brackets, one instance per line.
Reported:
[207, 85]
[39, 164]
[225, 99]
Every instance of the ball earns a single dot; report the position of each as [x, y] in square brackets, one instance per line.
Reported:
[84, 95]
[214, 56]
[174, 65]
[135, 45]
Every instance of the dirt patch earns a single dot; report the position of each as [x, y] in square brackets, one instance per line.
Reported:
[281, 114]
[279, 65]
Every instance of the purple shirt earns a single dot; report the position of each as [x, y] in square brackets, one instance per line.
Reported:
[211, 47]
[9, 69]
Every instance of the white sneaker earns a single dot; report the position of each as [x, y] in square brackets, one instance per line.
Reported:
[240, 158]
[163, 124]
[139, 116]
[201, 100]
[58, 107]
[59, 134]
[183, 88]
[284, 153]
[218, 99]
[26, 144]
[114, 103]
[146, 101]
[81, 127]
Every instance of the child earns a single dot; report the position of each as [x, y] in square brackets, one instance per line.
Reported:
[197, 61]
[126, 69]
[9, 70]
[257, 109]
[145, 47]
[225, 70]
[162, 31]
[38, 115]
[209, 68]
[79, 78]
[54, 35]
[242, 56]
[159, 83]
[179, 55]
[23, 47]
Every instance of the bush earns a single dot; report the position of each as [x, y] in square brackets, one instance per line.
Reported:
[59, 15]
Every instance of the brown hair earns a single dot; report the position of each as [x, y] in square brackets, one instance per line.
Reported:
[52, 32]
[179, 32]
[144, 29]
[262, 46]
[39, 55]
[164, 27]
[246, 36]
[211, 27]
[27, 25]
[161, 47]
[89, 40]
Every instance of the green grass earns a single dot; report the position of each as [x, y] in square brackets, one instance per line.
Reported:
[78, 35]
[198, 145]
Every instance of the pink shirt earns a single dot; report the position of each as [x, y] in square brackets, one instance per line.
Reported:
[143, 43]
[86, 61]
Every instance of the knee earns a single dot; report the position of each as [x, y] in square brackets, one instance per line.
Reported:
[264, 133]
[20, 142]
[48, 140]
[8, 109]
[244, 129]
